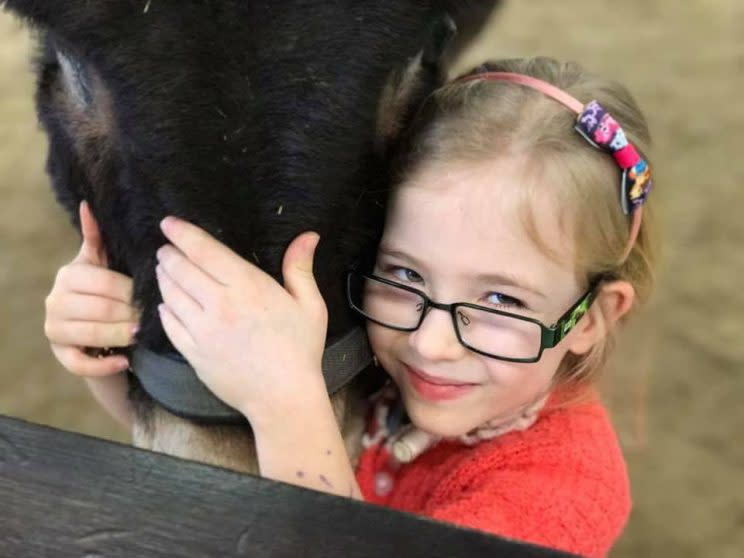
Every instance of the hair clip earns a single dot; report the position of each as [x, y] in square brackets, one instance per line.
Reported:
[602, 131]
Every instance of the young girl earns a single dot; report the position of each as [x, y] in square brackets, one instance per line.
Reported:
[514, 245]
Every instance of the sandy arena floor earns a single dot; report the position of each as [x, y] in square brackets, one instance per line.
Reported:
[685, 63]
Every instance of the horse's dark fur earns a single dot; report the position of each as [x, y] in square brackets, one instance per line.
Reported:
[253, 119]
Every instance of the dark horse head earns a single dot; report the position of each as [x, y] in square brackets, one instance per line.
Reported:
[256, 120]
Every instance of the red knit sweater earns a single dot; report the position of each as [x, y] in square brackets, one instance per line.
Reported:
[562, 483]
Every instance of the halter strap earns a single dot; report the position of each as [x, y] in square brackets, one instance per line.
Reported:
[173, 383]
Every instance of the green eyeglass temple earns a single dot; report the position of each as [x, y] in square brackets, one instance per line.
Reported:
[553, 335]
[550, 336]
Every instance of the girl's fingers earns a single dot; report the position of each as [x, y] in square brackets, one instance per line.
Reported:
[297, 270]
[90, 334]
[92, 250]
[94, 280]
[177, 333]
[81, 307]
[80, 364]
[179, 302]
[205, 251]
[199, 285]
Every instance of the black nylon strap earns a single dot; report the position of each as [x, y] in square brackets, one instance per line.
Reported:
[173, 383]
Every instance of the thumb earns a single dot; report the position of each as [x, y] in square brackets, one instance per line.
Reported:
[297, 268]
[92, 250]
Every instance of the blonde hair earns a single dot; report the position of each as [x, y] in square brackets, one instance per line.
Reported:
[471, 121]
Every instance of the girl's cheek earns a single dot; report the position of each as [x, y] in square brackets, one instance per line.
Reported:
[380, 339]
[505, 373]
[520, 378]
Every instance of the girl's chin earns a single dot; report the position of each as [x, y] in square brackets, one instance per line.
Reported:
[448, 421]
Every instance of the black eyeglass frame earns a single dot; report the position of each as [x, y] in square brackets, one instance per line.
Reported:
[550, 336]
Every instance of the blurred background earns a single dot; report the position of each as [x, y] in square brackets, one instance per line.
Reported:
[677, 381]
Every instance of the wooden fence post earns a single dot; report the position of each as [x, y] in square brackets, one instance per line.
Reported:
[65, 494]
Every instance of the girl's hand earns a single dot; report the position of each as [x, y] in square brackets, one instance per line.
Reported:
[255, 344]
[90, 306]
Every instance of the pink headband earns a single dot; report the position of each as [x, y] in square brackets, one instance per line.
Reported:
[603, 132]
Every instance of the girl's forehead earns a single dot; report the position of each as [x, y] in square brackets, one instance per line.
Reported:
[486, 213]
[479, 192]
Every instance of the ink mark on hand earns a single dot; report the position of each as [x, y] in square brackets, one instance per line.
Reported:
[325, 481]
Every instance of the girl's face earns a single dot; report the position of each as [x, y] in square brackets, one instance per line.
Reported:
[453, 232]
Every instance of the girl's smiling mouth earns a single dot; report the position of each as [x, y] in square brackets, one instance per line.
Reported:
[434, 388]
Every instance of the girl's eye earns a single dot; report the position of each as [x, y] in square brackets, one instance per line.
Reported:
[406, 275]
[502, 300]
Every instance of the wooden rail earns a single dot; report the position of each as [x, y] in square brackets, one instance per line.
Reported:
[65, 494]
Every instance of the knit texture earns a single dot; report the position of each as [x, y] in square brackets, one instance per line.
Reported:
[562, 483]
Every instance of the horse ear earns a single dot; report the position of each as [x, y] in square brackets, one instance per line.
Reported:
[408, 86]
[471, 17]
[71, 18]
[74, 27]
[37, 12]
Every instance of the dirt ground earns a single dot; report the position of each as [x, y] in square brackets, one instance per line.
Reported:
[684, 357]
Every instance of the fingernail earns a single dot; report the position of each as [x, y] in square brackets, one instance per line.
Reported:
[135, 330]
[167, 222]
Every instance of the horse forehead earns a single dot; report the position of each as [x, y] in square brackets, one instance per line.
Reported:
[271, 116]
[248, 66]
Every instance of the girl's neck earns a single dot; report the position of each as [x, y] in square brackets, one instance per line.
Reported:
[406, 441]
[411, 441]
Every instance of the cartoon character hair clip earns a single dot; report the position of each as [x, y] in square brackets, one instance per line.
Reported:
[602, 131]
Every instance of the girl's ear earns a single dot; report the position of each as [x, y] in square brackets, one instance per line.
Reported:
[614, 300]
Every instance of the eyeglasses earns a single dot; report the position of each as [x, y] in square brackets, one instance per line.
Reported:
[486, 331]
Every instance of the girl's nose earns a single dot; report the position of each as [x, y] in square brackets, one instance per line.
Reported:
[436, 339]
